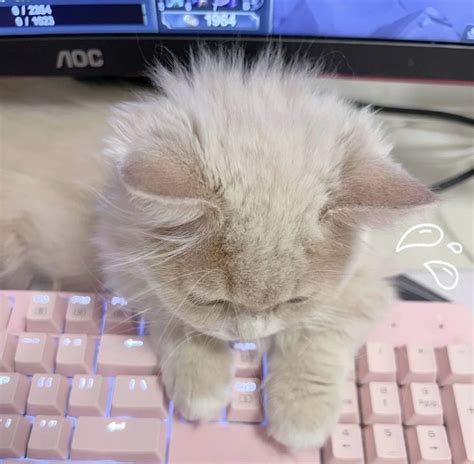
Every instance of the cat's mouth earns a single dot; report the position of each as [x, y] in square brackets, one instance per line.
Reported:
[245, 327]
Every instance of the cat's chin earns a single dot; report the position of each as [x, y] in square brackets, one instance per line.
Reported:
[249, 328]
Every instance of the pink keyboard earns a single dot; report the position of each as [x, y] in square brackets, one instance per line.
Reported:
[78, 381]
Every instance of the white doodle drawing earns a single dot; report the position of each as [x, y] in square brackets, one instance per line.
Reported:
[412, 238]
[445, 274]
[455, 247]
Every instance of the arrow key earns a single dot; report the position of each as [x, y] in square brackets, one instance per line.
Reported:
[428, 444]
[344, 446]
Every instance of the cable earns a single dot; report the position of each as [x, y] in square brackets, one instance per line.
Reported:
[459, 118]
[410, 290]
[452, 181]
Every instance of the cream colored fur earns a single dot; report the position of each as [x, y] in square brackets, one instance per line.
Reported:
[239, 204]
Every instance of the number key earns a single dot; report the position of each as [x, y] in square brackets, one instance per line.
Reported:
[428, 444]
[384, 443]
[344, 445]
[380, 403]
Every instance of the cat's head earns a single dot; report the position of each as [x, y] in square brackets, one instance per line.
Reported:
[239, 194]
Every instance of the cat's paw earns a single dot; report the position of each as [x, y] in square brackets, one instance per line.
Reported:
[199, 384]
[302, 417]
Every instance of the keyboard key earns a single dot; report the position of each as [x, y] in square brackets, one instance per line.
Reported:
[344, 446]
[246, 403]
[350, 406]
[416, 363]
[88, 396]
[421, 404]
[49, 438]
[119, 439]
[248, 363]
[48, 395]
[230, 444]
[138, 397]
[75, 355]
[384, 444]
[121, 354]
[14, 431]
[455, 364]
[119, 318]
[46, 313]
[8, 344]
[13, 393]
[428, 444]
[5, 311]
[376, 362]
[83, 315]
[380, 403]
[458, 405]
[35, 353]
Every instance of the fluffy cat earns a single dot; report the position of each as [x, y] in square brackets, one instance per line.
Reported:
[238, 206]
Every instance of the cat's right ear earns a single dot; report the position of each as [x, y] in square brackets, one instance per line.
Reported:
[160, 169]
[168, 186]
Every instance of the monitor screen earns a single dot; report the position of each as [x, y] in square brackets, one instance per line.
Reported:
[442, 21]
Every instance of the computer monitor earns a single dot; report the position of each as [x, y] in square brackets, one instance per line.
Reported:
[418, 39]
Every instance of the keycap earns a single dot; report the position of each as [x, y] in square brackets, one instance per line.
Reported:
[48, 395]
[416, 363]
[8, 344]
[35, 353]
[248, 363]
[350, 406]
[122, 354]
[344, 445]
[384, 444]
[421, 404]
[88, 396]
[458, 406]
[14, 431]
[75, 354]
[231, 444]
[5, 311]
[121, 439]
[246, 403]
[46, 313]
[380, 403]
[376, 362]
[428, 444]
[119, 318]
[49, 438]
[14, 390]
[138, 396]
[455, 364]
[83, 315]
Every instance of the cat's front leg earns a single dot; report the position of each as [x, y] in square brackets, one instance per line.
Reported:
[308, 375]
[196, 371]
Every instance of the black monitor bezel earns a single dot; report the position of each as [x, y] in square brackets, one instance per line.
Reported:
[129, 55]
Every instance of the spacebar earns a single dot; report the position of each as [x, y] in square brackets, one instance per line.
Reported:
[134, 440]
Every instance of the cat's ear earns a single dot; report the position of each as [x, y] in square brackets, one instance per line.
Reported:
[154, 151]
[376, 191]
[170, 185]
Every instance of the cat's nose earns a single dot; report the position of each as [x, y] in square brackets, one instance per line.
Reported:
[262, 308]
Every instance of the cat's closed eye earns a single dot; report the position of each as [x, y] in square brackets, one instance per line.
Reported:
[198, 301]
[300, 299]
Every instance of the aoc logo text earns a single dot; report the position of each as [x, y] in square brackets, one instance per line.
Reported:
[77, 58]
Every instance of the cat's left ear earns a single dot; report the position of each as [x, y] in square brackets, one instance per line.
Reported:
[376, 191]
